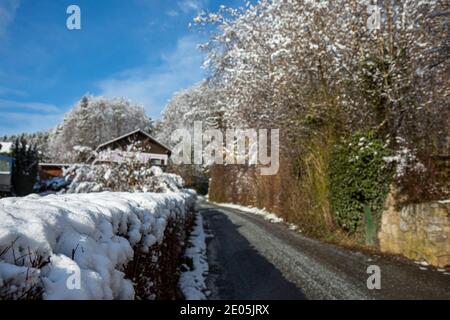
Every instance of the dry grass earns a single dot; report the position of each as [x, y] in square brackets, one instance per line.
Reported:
[298, 195]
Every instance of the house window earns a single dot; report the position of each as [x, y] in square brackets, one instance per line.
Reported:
[156, 162]
[5, 167]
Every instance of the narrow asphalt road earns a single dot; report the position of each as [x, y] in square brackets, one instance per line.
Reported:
[251, 258]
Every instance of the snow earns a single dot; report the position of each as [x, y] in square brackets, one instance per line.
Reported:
[272, 217]
[6, 147]
[192, 282]
[14, 280]
[405, 160]
[87, 240]
[92, 122]
[267, 215]
[124, 177]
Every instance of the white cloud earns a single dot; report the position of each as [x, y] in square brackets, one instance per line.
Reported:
[187, 7]
[153, 88]
[16, 123]
[18, 117]
[27, 106]
[8, 10]
[9, 91]
[172, 13]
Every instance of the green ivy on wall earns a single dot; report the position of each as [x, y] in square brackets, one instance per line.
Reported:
[359, 180]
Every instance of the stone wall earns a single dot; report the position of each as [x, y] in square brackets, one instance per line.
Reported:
[418, 231]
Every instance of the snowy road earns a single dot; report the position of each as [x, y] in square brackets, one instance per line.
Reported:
[251, 258]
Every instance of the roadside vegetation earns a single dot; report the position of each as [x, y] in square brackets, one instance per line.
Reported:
[359, 109]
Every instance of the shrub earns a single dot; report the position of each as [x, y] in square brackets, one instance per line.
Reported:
[127, 176]
[359, 179]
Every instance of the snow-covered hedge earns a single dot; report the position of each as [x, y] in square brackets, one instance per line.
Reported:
[79, 246]
[121, 177]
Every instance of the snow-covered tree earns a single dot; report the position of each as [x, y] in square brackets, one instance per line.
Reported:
[198, 103]
[93, 121]
[321, 70]
[38, 139]
[291, 63]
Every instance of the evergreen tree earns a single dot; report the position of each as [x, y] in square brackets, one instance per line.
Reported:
[26, 166]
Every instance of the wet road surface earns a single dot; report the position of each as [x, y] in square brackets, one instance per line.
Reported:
[251, 258]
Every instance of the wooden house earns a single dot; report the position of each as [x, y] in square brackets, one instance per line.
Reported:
[138, 144]
[52, 170]
[117, 150]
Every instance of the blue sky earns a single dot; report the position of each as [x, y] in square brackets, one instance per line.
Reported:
[141, 49]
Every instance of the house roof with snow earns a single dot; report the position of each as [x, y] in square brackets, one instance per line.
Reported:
[136, 134]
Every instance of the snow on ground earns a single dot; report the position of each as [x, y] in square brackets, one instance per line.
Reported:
[260, 212]
[192, 281]
[77, 245]
[267, 215]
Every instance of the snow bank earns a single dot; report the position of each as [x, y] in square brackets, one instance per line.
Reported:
[192, 280]
[272, 217]
[76, 246]
[267, 215]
